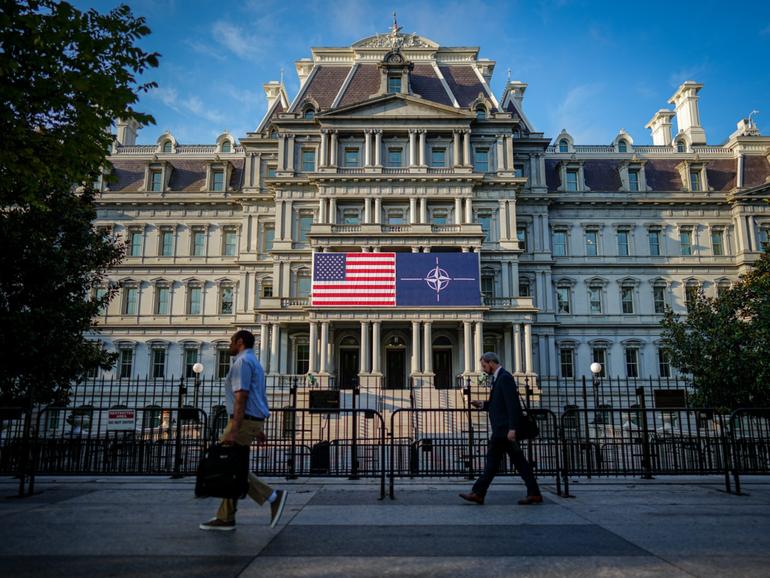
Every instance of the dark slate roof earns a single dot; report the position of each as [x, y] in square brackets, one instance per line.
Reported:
[552, 174]
[129, 175]
[187, 176]
[427, 84]
[721, 174]
[602, 175]
[325, 85]
[756, 170]
[278, 109]
[464, 83]
[365, 83]
[662, 175]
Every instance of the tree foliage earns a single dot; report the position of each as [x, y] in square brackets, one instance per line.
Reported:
[65, 75]
[724, 342]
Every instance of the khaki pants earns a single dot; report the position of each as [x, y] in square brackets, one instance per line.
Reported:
[258, 490]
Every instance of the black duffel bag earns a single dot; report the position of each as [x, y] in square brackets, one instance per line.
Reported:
[223, 472]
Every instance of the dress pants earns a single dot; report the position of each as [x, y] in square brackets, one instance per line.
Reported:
[498, 447]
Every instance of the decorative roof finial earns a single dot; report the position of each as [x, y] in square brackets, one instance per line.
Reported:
[509, 75]
[396, 28]
[281, 75]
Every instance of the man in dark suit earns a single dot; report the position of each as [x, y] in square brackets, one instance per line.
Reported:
[505, 415]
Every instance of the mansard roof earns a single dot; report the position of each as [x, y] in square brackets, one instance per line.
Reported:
[186, 175]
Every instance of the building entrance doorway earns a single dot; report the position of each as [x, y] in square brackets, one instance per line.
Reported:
[395, 368]
[442, 368]
[349, 364]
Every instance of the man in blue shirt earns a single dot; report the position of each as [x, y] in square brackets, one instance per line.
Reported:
[246, 402]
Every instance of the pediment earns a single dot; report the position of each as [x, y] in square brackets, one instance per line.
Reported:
[398, 106]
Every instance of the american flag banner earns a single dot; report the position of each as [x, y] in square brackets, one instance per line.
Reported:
[354, 280]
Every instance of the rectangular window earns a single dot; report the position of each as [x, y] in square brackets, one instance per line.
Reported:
[271, 172]
[685, 242]
[518, 171]
[438, 157]
[268, 236]
[623, 248]
[126, 363]
[158, 363]
[308, 160]
[559, 243]
[485, 220]
[190, 359]
[439, 216]
[572, 180]
[690, 295]
[595, 299]
[352, 157]
[653, 238]
[302, 364]
[764, 237]
[223, 363]
[718, 242]
[592, 243]
[100, 293]
[567, 362]
[303, 286]
[395, 156]
[131, 301]
[194, 301]
[524, 288]
[395, 216]
[199, 243]
[563, 300]
[156, 181]
[481, 160]
[664, 363]
[521, 236]
[394, 84]
[659, 299]
[136, 243]
[162, 301]
[627, 300]
[267, 289]
[351, 216]
[226, 301]
[632, 362]
[488, 285]
[304, 223]
[695, 181]
[167, 244]
[599, 355]
[230, 243]
[218, 180]
[633, 180]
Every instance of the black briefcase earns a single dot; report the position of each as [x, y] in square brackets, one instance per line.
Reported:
[223, 472]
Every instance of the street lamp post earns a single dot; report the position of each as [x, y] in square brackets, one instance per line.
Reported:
[596, 370]
[197, 370]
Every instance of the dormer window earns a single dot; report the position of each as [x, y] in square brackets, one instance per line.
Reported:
[218, 180]
[572, 180]
[309, 114]
[622, 146]
[695, 182]
[563, 146]
[167, 147]
[156, 180]
[681, 147]
[394, 84]
[227, 147]
[481, 113]
[633, 180]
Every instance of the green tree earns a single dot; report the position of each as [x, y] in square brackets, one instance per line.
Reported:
[724, 342]
[65, 74]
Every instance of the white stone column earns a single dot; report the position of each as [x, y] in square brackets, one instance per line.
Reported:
[275, 344]
[323, 149]
[422, 147]
[412, 210]
[468, 210]
[467, 347]
[333, 149]
[363, 354]
[367, 148]
[322, 210]
[456, 161]
[290, 154]
[264, 339]
[281, 152]
[507, 357]
[376, 330]
[528, 347]
[415, 347]
[423, 210]
[367, 210]
[478, 344]
[287, 214]
[283, 355]
[505, 234]
[279, 220]
[324, 357]
[458, 211]
[332, 211]
[377, 210]
[313, 354]
[378, 148]
[412, 148]
[499, 154]
[512, 225]
[509, 152]
[467, 148]
[427, 364]
[517, 348]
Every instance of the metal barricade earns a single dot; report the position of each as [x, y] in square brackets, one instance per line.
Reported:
[750, 441]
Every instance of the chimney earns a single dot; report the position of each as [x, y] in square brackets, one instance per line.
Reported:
[685, 101]
[272, 91]
[660, 127]
[304, 67]
[516, 89]
[127, 129]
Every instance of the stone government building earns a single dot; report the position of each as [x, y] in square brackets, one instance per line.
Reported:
[398, 144]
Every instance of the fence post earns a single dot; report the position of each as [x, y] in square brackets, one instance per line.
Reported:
[293, 411]
[589, 454]
[646, 457]
[354, 446]
[735, 453]
[469, 413]
[178, 441]
[528, 396]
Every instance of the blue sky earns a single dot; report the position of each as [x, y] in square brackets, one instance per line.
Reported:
[592, 67]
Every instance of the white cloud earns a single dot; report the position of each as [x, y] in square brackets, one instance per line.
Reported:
[677, 77]
[204, 49]
[169, 96]
[571, 114]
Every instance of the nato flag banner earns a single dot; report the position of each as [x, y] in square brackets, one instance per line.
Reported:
[437, 279]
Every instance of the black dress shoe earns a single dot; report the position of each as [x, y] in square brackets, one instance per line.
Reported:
[473, 497]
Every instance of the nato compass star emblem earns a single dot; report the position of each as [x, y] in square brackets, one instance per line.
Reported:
[437, 279]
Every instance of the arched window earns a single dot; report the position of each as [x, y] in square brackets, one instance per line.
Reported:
[563, 146]
[227, 147]
[167, 147]
[680, 146]
[622, 146]
[309, 114]
[442, 342]
[481, 113]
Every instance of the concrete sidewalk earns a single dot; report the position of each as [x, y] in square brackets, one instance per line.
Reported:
[149, 527]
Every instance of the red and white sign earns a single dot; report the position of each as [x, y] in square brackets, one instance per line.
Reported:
[121, 419]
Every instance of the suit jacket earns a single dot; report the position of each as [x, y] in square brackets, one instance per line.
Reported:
[504, 406]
